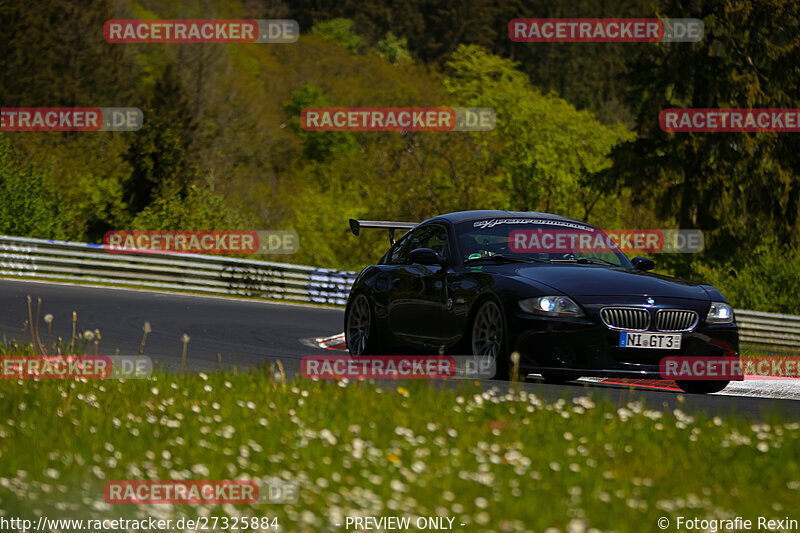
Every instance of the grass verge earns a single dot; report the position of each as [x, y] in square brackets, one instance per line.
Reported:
[492, 459]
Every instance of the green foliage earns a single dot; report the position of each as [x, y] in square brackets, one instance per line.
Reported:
[547, 151]
[53, 54]
[28, 207]
[341, 31]
[158, 152]
[766, 280]
[225, 118]
[737, 187]
[394, 49]
[200, 209]
[317, 145]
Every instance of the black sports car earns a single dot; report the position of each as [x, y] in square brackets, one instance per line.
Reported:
[456, 284]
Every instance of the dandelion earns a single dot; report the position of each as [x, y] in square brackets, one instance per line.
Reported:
[48, 319]
[146, 329]
[200, 470]
[576, 525]
[74, 323]
[403, 391]
[398, 486]
[185, 341]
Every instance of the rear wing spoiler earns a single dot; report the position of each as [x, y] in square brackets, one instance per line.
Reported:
[356, 225]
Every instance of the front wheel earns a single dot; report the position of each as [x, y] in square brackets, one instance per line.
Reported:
[359, 332]
[488, 338]
[701, 387]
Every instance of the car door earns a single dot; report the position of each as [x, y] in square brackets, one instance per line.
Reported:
[417, 293]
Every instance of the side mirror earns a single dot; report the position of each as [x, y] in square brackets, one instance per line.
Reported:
[425, 256]
[643, 263]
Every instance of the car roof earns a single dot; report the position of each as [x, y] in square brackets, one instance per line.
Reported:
[462, 216]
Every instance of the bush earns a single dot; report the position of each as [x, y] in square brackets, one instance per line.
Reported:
[28, 207]
[767, 281]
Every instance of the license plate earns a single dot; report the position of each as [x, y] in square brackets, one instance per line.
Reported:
[655, 341]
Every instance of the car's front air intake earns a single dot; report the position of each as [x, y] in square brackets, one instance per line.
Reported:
[675, 320]
[629, 318]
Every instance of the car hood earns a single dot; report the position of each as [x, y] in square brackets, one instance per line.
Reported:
[589, 280]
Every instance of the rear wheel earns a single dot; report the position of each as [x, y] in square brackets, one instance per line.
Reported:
[488, 338]
[701, 387]
[359, 333]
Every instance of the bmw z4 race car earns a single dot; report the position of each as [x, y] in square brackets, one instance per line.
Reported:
[470, 283]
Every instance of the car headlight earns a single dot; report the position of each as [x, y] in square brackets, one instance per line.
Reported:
[720, 313]
[551, 306]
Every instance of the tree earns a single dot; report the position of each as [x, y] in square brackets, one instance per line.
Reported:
[54, 54]
[737, 187]
[317, 145]
[200, 209]
[27, 204]
[341, 31]
[392, 48]
[548, 152]
[159, 151]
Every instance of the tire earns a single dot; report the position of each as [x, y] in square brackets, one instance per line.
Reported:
[701, 387]
[553, 377]
[488, 337]
[360, 333]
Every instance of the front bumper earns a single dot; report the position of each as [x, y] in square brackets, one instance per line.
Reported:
[584, 346]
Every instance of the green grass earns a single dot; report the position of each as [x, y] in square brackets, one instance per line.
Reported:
[494, 460]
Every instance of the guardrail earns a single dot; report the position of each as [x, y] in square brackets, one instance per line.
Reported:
[768, 329]
[70, 261]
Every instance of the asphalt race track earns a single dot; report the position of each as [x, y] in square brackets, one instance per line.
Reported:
[245, 333]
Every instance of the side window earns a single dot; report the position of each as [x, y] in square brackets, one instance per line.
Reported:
[435, 239]
[399, 255]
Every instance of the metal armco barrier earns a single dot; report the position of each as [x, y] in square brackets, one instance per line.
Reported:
[768, 329]
[70, 261]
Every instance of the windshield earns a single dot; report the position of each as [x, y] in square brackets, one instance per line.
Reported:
[537, 239]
